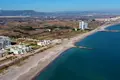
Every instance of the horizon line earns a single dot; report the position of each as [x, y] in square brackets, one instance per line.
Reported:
[105, 10]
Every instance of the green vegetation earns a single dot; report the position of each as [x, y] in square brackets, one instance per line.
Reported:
[57, 27]
[26, 28]
[47, 29]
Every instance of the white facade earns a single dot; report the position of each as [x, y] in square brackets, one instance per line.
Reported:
[20, 49]
[83, 25]
[44, 42]
[4, 42]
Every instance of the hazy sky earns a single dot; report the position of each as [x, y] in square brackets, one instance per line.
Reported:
[60, 5]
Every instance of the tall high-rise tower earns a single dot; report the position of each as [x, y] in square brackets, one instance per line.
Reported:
[83, 25]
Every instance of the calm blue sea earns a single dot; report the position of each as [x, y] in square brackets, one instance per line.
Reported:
[100, 63]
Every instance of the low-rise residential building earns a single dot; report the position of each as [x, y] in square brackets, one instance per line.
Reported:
[20, 49]
[44, 42]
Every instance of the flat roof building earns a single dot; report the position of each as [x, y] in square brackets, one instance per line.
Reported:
[20, 49]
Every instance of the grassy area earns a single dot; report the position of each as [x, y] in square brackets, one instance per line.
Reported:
[59, 34]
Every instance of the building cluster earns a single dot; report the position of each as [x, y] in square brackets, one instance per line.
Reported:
[108, 19]
[44, 43]
[49, 42]
[20, 49]
[5, 46]
[4, 42]
[83, 25]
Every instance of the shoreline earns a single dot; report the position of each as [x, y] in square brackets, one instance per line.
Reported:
[36, 64]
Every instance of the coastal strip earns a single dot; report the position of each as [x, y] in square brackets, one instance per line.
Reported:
[38, 62]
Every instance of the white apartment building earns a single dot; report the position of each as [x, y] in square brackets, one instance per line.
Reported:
[20, 49]
[83, 25]
[4, 42]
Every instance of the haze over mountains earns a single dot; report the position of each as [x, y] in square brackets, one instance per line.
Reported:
[33, 13]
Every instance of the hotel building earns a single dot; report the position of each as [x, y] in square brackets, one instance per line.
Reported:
[83, 25]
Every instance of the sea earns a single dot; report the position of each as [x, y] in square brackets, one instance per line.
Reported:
[102, 62]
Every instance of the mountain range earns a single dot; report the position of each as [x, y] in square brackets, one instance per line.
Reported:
[63, 13]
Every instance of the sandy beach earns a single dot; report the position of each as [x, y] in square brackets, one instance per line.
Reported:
[38, 62]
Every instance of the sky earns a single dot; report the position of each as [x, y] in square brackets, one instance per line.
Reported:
[60, 5]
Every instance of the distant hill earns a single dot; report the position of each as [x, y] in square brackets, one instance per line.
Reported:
[20, 13]
[64, 13]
